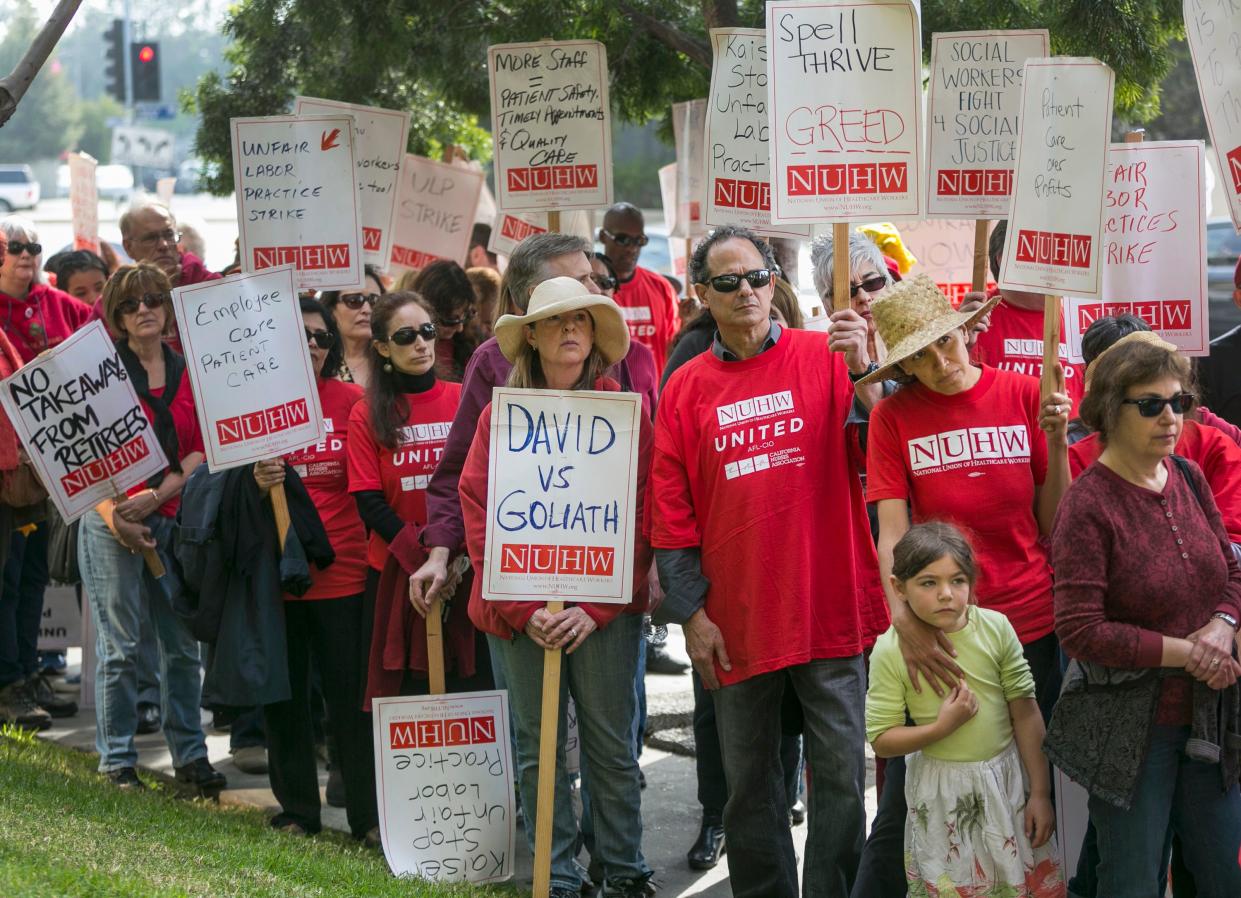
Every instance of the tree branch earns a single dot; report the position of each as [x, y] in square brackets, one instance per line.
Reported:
[14, 87]
[720, 13]
[670, 36]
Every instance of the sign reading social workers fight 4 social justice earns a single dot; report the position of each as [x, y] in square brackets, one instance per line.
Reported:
[79, 418]
[551, 124]
[1052, 244]
[1213, 28]
[1154, 246]
[974, 121]
[254, 384]
[444, 777]
[435, 212]
[845, 102]
[297, 198]
[561, 496]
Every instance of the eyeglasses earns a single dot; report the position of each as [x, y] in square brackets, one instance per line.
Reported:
[157, 237]
[457, 322]
[604, 281]
[626, 239]
[150, 300]
[730, 283]
[16, 248]
[870, 285]
[322, 339]
[1152, 406]
[407, 335]
[355, 301]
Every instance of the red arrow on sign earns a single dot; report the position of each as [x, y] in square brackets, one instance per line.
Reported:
[327, 141]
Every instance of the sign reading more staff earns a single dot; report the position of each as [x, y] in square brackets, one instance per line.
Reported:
[552, 125]
[245, 349]
[435, 212]
[1213, 29]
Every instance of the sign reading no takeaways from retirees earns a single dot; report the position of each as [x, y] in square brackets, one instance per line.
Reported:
[79, 418]
[561, 495]
[1052, 245]
[297, 198]
[1213, 28]
[254, 384]
[435, 212]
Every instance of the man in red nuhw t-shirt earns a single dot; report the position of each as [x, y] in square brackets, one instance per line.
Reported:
[646, 299]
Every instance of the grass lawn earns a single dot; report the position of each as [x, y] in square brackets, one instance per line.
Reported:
[64, 831]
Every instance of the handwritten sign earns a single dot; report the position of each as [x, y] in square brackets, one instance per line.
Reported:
[845, 98]
[297, 198]
[245, 349]
[689, 122]
[78, 416]
[552, 125]
[944, 249]
[1213, 28]
[83, 203]
[1154, 246]
[380, 138]
[165, 188]
[60, 625]
[1053, 243]
[974, 107]
[561, 495]
[434, 212]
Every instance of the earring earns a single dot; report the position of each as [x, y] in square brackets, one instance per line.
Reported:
[387, 367]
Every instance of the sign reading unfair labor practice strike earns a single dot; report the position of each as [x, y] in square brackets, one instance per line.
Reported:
[435, 212]
[1056, 216]
[561, 497]
[297, 198]
[79, 418]
[845, 105]
[1213, 28]
[245, 349]
[551, 124]
[973, 119]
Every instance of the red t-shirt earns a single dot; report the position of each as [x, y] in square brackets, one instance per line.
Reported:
[1014, 342]
[650, 308]
[752, 465]
[189, 436]
[324, 470]
[402, 473]
[44, 319]
[973, 460]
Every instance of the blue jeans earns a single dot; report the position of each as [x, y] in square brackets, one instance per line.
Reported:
[606, 709]
[121, 591]
[1188, 795]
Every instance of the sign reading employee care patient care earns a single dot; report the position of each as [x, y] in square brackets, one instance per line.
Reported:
[1053, 242]
[1213, 28]
[79, 419]
[551, 124]
[562, 495]
[435, 212]
[245, 349]
[297, 198]
[845, 107]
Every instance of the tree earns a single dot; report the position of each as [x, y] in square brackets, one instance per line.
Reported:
[46, 121]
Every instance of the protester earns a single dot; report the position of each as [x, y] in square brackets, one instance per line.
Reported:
[81, 274]
[478, 255]
[1220, 372]
[604, 275]
[785, 307]
[869, 276]
[149, 234]
[450, 295]
[36, 316]
[649, 304]
[351, 313]
[976, 747]
[568, 338]
[486, 284]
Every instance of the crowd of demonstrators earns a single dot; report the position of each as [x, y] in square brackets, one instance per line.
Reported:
[351, 313]
[453, 303]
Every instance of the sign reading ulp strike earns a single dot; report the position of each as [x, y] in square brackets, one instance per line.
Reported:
[79, 418]
[245, 349]
[1057, 205]
[974, 107]
[297, 198]
[552, 125]
[435, 212]
[845, 102]
[1214, 32]
[561, 496]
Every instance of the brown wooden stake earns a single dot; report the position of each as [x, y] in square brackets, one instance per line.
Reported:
[840, 266]
[1051, 345]
[979, 282]
[280, 508]
[107, 511]
[1135, 136]
[553, 222]
[549, 732]
[435, 648]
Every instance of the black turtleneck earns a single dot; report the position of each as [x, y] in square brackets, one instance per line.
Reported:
[413, 383]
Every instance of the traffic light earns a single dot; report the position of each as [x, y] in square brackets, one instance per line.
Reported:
[114, 54]
[144, 63]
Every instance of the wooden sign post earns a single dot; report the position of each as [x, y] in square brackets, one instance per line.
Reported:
[549, 732]
[978, 283]
[840, 266]
[107, 511]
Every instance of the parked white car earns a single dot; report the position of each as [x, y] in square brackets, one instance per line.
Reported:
[18, 188]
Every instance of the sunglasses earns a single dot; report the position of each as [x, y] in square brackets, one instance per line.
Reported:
[870, 285]
[16, 248]
[457, 322]
[604, 281]
[150, 300]
[355, 301]
[730, 283]
[407, 335]
[1152, 406]
[626, 239]
[322, 339]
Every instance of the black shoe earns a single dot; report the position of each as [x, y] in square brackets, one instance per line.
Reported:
[637, 887]
[797, 813]
[17, 706]
[46, 698]
[641, 780]
[708, 848]
[201, 775]
[658, 661]
[149, 720]
[125, 778]
[335, 790]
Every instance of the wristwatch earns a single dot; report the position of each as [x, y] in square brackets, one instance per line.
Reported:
[870, 369]
[1226, 618]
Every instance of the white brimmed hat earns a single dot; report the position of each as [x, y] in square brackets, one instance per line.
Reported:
[556, 297]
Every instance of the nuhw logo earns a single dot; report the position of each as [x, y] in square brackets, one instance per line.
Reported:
[517, 229]
[442, 733]
[969, 445]
[266, 421]
[1160, 314]
[1053, 248]
[756, 407]
[553, 177]
[307, 258]
[835, 179]
[1234, 169]
[587, 561]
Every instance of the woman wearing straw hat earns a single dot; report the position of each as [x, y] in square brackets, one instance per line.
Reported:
[566, 341]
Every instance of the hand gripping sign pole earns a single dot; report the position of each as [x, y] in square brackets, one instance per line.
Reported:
[107, 511]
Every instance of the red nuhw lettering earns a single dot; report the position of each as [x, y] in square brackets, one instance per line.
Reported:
[411, 258]
[446, 733]
[314, 257]
[1054, 248]
[553, 177]
[263, 422]
[516, 229]
[101, 469]
[371, 239]
[1234, 169]
[973, 182]
[734, 194]
[589, 561]
[836, 179]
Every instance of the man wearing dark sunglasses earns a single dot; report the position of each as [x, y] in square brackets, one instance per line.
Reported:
[646, 299]
[149, 234]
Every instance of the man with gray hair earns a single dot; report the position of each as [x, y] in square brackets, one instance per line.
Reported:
[149, 234]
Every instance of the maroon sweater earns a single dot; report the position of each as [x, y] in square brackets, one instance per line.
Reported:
[1133, 565]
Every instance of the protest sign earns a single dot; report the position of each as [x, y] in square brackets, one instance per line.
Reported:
[561, 496]
[1057, 205]
[689, 122]
[297, 198]
[974, 121]
[1154, 246]
[149, 147]
[380, 136]
[83, 203]
[435, 213]
[245, 349]
[60, 626]
[845, 103]
[510, 228]
[78, 416]
[444, 782]
[1213, 29]
[944, 249]
[164, 189]
[552, 125]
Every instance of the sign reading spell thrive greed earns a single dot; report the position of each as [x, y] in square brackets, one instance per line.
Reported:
[562, 495]
[845, 103]
[552, 125]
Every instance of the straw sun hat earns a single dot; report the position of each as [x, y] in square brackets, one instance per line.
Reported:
[911, 316]
[559, 296]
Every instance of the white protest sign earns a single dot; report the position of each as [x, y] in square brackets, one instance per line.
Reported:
[668, 196]
[245, 349]
[164, 189]
[60, 626]
[944, 249]
[552, 125]
[444, 783]
[149, 147]
[297, 198]
[1213, 28]
[561, 496]
[1154, 246]
[76, 412]
[973, 119]
[845, 102]
[380, 136]
[1056, 214]
[689, 122]
[435, 213]
[83, 203]
[510, 228]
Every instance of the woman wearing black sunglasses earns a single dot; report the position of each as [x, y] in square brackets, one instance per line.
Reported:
[351, 311]
[35, 316]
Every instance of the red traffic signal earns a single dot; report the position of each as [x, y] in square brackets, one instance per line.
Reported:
[146, 53]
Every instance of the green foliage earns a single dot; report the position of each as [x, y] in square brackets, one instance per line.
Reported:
[96, 134]
[46, 122]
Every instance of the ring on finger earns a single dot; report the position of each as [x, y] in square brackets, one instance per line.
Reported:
[1215, 663]
[573, 635]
